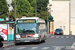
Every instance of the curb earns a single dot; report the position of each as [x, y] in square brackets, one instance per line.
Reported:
[8, 45]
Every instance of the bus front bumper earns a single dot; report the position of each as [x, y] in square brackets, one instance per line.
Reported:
[27, 40]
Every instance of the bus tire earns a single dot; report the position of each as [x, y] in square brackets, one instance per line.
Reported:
[16, 43]
[39, 40]
[44, 39]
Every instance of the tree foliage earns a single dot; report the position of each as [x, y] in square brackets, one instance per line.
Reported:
[27, 8]
[41, 5]
[41, 8]
[3, 9]
[32, 2]
[23, 8]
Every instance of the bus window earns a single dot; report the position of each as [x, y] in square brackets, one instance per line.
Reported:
[25, 28]
[41, 27]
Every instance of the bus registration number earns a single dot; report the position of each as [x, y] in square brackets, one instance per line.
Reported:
[26, 41]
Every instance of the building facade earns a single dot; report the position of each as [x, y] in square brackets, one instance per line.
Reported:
[72, 16]
[60, 12]
[63, 12]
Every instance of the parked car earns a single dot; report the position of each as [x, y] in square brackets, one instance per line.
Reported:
[1, 39]
[58, 32]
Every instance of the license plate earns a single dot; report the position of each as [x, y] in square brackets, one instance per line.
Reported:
[57, 32]
[26, 41]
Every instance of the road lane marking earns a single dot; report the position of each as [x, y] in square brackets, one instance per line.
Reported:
[72, 37]
[34, 47]
[62, 36]
[57, 36]
[57, 48]
[21, 47]
[52, 36]
[73, 46]
[46, 48]
[67, 36]
[68, 47]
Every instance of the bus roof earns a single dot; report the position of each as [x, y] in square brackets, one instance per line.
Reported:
[30, 18]
[39, 20]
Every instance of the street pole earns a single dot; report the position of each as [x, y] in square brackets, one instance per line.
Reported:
[35, 8]
[15, 19]
[47, 20]
[69, 18]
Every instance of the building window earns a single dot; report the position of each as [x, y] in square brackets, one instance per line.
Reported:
[63, 27]
[60, 27]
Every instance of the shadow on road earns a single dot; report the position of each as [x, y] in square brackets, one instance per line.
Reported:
[1, 44]
[30, 43]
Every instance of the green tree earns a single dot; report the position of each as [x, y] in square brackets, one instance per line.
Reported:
[32, 2]
[23, 7]
[3, 9]
[27, 8]
[41, 5]
[41, 8]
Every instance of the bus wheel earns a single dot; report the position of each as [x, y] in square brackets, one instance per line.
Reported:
[44, 39]
[39, 40]
[16, 43]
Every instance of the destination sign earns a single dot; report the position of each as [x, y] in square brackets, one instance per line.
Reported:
[26, 21]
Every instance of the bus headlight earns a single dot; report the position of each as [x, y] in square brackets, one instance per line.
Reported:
[18, 37]
[35, 35]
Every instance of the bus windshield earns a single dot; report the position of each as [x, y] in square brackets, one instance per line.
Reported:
[26, 28]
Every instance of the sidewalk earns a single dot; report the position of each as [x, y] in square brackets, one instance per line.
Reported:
[8, 43]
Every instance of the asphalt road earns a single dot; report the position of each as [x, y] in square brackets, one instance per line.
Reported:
[53, 42]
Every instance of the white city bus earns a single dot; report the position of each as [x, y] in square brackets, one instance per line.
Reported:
[30, 29]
